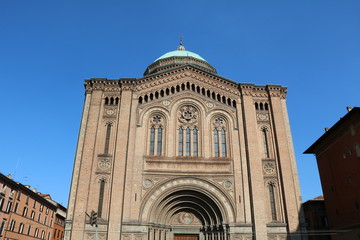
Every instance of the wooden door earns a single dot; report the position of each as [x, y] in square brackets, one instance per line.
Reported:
[186, 237]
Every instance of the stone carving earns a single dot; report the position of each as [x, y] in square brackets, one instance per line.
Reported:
[219, 123]
[156, 120]
[227, 184]
[104, 164]
[110, 111]
[166, 102]
[147, 183]
[263, 117]
[188, 115]
[269, 167]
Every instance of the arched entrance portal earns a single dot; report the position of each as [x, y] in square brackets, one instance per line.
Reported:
[187, 209]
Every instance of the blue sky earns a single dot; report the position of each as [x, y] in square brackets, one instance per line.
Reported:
[48, 48]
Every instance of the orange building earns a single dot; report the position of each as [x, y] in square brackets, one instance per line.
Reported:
[25, 214]
[338, 158]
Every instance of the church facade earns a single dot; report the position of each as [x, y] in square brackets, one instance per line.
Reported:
[185, 154]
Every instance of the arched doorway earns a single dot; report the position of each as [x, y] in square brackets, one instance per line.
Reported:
[188, 210]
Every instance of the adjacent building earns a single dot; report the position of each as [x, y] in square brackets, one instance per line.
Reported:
[24, 213]
[184, 153]
[338, 158]
[316, 219]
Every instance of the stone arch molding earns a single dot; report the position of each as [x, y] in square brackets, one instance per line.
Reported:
[153, 200]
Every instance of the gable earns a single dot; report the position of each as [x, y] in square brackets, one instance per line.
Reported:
[187, 79]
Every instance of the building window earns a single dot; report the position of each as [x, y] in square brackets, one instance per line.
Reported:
[16, 207]
[43, 234]
[12, 225]
[101, 197]
[152, 140]
[25, 211]
[34, 204]
[21, 228]
[32, 216]
[188, 141]
[265, 142]
[2, 200]
[223, 143]
[159, 143]
[8, 206]
[195, 142]
[2, 226]
[181, 141]
[27, 199]
[29, 230]
[156, 134]
[216, 143]
[107, 138]
[188, 138]
[357, 149]
[271, 187]
[39, 217]
[41, 207]
[36, 233]
[220, 138]
[18, 195]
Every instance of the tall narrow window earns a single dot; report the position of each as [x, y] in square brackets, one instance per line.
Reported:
[265, 140]
[188, 141]
[101, 197]
[216, 142]
[156, 134]
[107, 139]
[223, 143]
[195, 141]
[12, 225]
[21, 228]
[180, 141]
[159, 141]
[29, 230]
[272, 201]
[152, 140]
[188, 119]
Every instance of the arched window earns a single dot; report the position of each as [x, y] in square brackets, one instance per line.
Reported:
[159, 141]
[216, 143]
[223, 143]
[188, 141]
[156, 135]
[181, 141]
[21, 228]
[271, 187]
[101, 197]
[188, 135]
[219, 137]
[195, 142]
[25, 211]
[152, 140]
[265, 142]
[107, 138]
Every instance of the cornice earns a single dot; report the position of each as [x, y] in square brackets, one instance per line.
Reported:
[249, 89]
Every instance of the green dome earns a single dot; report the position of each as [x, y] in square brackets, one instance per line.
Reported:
[181, 53]
[177, 58]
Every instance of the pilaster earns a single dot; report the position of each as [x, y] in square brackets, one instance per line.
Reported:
[120, 162]
[256, 181]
